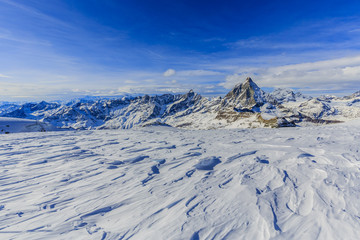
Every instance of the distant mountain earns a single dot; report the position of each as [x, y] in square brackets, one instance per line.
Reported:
[246, 105]
[283, 95]
[6, 107]
[245, 96]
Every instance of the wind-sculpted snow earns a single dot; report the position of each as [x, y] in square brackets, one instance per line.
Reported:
[168, 183]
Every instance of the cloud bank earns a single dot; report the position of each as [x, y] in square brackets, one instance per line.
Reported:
[329, 75]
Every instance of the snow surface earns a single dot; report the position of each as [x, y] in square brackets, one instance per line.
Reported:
[168, 183]
[16, 125]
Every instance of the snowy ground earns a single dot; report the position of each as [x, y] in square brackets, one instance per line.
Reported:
[16, 125]
[166, 183]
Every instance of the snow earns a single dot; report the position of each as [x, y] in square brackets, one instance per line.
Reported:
[15, 125]
[168, 183]
[245, 106]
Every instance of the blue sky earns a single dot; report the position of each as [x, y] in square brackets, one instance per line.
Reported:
[54, 49]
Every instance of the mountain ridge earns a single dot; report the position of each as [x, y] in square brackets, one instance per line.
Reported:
[245, 106]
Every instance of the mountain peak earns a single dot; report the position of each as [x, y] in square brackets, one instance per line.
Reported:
[245, 95]
[248, 79]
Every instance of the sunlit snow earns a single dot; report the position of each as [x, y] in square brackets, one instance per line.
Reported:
[168, 183]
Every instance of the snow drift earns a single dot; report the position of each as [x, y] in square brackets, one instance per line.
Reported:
[168, 183]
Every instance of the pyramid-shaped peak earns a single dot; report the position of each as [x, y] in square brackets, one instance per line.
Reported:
[245, 95]
[248, 79]
[248, 83]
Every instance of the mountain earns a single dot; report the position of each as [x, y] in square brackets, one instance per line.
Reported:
[6, 107]
[245, 106]
[282, 95]
[245, 96]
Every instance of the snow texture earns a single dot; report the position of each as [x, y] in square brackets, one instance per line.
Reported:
[168, 183]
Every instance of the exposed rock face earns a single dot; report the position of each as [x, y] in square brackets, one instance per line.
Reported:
[185, 102]
[245, 96]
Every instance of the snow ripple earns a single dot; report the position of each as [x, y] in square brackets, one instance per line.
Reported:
[165, 183]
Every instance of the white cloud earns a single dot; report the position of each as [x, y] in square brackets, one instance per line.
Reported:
[266, 43]
[151, 89]
[335, 74]
[170, 72]
[353, 72]
[4, 76]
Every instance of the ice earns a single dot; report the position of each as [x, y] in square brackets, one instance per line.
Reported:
[168, 183]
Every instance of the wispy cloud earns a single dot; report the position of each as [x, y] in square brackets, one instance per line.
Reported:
[266, 43]
[6, 35]
[199, 72]
[329, 34]
[4, 76]
[36, 13]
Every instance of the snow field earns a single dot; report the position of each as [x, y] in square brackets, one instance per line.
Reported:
[167, 183]
[16, 125]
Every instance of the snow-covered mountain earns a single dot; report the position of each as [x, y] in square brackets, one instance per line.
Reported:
[246, 105]
[245, 96]
[282, 95]
[6, 107]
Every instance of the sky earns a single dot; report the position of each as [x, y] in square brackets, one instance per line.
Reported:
[58, 49]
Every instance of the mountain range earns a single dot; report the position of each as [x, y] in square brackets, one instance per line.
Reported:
[245, 106]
